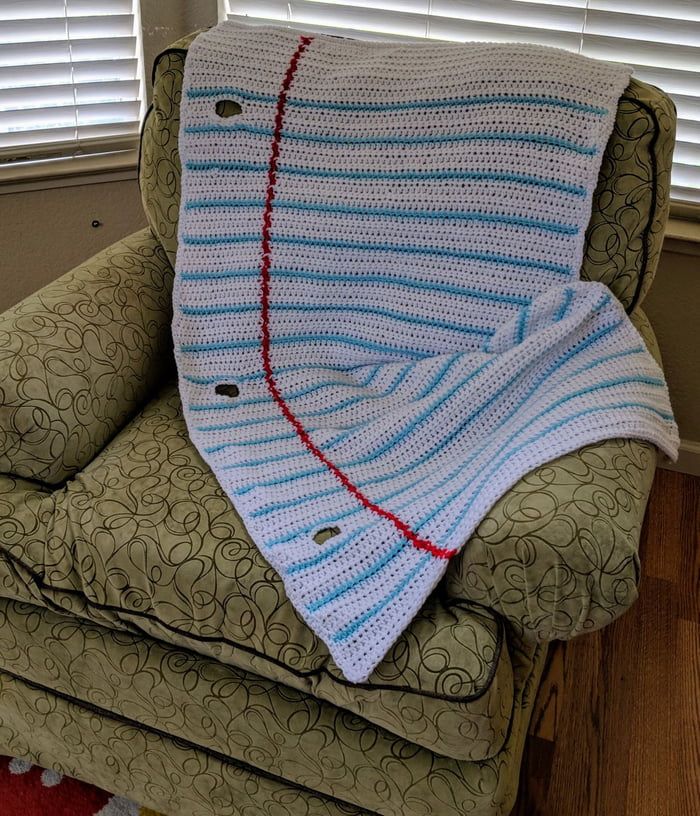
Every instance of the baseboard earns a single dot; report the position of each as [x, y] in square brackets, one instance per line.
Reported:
[688, 459]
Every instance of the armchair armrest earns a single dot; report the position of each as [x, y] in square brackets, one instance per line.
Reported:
[79, 357]
[558, 554]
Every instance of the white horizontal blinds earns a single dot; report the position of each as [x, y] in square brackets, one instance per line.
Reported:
[70, 77]
[660, 38]
[497, 20]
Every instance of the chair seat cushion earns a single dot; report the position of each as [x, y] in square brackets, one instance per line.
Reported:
[145, 539]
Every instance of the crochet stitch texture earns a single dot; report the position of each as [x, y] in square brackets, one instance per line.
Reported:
[379, 326]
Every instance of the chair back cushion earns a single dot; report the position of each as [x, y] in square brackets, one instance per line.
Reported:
[630, 203]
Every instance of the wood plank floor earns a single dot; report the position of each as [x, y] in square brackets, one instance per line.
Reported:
[616, 728]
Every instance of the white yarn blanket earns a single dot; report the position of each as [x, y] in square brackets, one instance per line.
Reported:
[379, 323]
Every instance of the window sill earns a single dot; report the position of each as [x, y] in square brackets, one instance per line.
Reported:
[68, 172]
[682, 236]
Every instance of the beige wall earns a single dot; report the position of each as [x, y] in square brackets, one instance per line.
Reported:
[673, 306]
[44, 233]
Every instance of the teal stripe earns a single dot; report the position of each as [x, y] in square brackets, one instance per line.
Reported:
[372, 570]
[250, 442]
[417, 104]
[358, 623]
[232, 405]
[387, 175]
[306, 307]
[366, 345]
[388, 279]
[565, 303]
[441, 138]
[386, 212]
[337, 243]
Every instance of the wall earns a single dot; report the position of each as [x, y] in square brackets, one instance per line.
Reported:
[673, 306]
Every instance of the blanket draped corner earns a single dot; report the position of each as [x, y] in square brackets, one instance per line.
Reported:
[379, 323]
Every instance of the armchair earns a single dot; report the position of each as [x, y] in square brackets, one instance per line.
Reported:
[145, 644]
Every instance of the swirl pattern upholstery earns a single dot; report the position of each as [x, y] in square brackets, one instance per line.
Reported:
[145, 644]
[77, 359]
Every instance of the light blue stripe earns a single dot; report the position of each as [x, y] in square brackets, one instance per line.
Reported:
[314, 308]
[394, 280]
[439, 376]
[350, 630]
[389, 280]
[440, 138]
[261, 512]
[522, 323]
[417, 104]
[260, 375]
[269, 460]
[300, 566]
[250, 442]
[398, 175]
[228, 426]
[233, 405]
[302, 474]
[367, 345]
[319, 524]
[386, 212]
[565, 304]
[586, 368]
[356, 579]
[337, 243]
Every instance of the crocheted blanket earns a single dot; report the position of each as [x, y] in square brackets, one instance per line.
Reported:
[379, 323]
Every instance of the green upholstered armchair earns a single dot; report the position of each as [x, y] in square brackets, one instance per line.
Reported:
[147, 646]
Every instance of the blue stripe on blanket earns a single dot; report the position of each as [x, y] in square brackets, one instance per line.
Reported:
[385, 212]
[440, 138]
[338, 243]
[388, 279]
[348, 631]
[414, 104]
[341, 307]
[383, 175]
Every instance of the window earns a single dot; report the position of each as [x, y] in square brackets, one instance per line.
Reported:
[70, 82]
[660, 38]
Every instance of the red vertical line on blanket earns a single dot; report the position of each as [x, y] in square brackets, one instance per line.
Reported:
[401, 526]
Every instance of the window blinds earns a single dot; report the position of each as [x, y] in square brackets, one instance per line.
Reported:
[660, 38]
[70, 78]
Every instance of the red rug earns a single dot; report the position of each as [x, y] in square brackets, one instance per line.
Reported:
[27, 790]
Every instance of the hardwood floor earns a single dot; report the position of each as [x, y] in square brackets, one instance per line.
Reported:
[616, 728]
